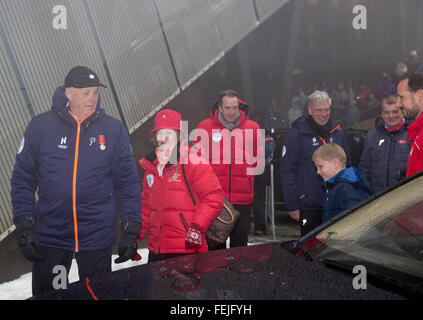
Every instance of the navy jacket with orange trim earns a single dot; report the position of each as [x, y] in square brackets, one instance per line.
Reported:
[302, 187]
[78, 179]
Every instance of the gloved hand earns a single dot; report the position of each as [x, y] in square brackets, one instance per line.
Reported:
[194, 236]
[28, 239]
[128, 243]
[136, 257]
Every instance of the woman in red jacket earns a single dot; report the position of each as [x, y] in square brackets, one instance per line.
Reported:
[174, 225]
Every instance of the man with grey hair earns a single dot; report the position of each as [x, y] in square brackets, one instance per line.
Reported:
[302, 187]
[80, 163]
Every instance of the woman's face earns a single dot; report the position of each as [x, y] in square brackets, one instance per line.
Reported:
[168, 137]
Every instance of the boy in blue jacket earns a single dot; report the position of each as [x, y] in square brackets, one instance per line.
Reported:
[344, 186]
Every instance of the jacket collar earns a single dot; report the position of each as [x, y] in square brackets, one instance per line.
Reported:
[150, 162]
[302, 124]
[243, 110]
[415, 128]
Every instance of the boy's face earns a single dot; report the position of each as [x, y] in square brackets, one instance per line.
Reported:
[327, 169]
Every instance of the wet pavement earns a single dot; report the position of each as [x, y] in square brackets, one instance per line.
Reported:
[285, 229]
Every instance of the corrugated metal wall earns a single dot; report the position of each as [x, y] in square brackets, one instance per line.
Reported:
[146, 52]
[266, 8]
[234, 19]
[14, 116]
[193, 39]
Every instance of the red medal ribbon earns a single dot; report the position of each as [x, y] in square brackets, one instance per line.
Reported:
[101, 139]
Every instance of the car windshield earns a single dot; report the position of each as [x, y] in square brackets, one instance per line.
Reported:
[385, 235]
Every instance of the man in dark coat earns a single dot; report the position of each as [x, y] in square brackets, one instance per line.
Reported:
[386, 148]
[79, 161]
[302, 187]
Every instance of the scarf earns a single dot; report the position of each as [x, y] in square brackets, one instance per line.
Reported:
[396, 128]
[227, 124]
[322, 131]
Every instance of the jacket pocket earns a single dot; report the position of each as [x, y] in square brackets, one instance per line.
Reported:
[184, 222]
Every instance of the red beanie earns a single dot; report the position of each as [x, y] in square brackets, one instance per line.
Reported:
[167, 119]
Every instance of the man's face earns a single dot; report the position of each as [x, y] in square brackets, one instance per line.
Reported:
[391, 114]
[327, 169]
[407, 100]
[82, 101]
[320, 112]
[229, 108]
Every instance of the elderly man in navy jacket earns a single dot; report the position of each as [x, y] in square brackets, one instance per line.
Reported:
[302, 187]
[79, 160]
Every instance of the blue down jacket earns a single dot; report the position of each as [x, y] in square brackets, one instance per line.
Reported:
[302, 187]
[77, 179]
[344, 190]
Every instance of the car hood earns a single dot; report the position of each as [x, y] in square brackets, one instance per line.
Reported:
[260, 272]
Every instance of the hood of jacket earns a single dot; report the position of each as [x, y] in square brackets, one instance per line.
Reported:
[244, 109]
[60, 106]
[353, 176]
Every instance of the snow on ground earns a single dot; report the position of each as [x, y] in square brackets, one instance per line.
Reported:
[21, 289]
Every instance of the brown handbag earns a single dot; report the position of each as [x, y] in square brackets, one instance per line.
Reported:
[221, 227]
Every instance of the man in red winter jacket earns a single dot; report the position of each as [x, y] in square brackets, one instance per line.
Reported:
[234, 146]
[410, 98]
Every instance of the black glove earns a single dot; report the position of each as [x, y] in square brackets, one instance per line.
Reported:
[28, 239]
[128, 243]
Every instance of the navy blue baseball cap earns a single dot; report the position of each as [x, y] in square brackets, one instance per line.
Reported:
[82, 77]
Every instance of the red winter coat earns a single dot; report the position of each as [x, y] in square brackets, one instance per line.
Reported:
[236, 181]
[415, 159]
[167, 208]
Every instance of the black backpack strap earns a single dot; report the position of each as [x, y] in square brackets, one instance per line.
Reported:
[186, 182]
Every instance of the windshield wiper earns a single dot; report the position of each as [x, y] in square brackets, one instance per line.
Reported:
[308, 254]
[381, 280]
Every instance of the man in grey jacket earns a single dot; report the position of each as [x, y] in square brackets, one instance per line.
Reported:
[386, 148]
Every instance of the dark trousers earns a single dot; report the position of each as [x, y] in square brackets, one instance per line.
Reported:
[239, 235]
[309, 220]
[90, 263]
[259, 207]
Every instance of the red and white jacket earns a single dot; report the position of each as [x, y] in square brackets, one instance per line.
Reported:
[167, 208]
[243, 146]
[415, 159]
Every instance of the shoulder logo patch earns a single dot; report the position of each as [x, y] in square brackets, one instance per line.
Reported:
[150, 180]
